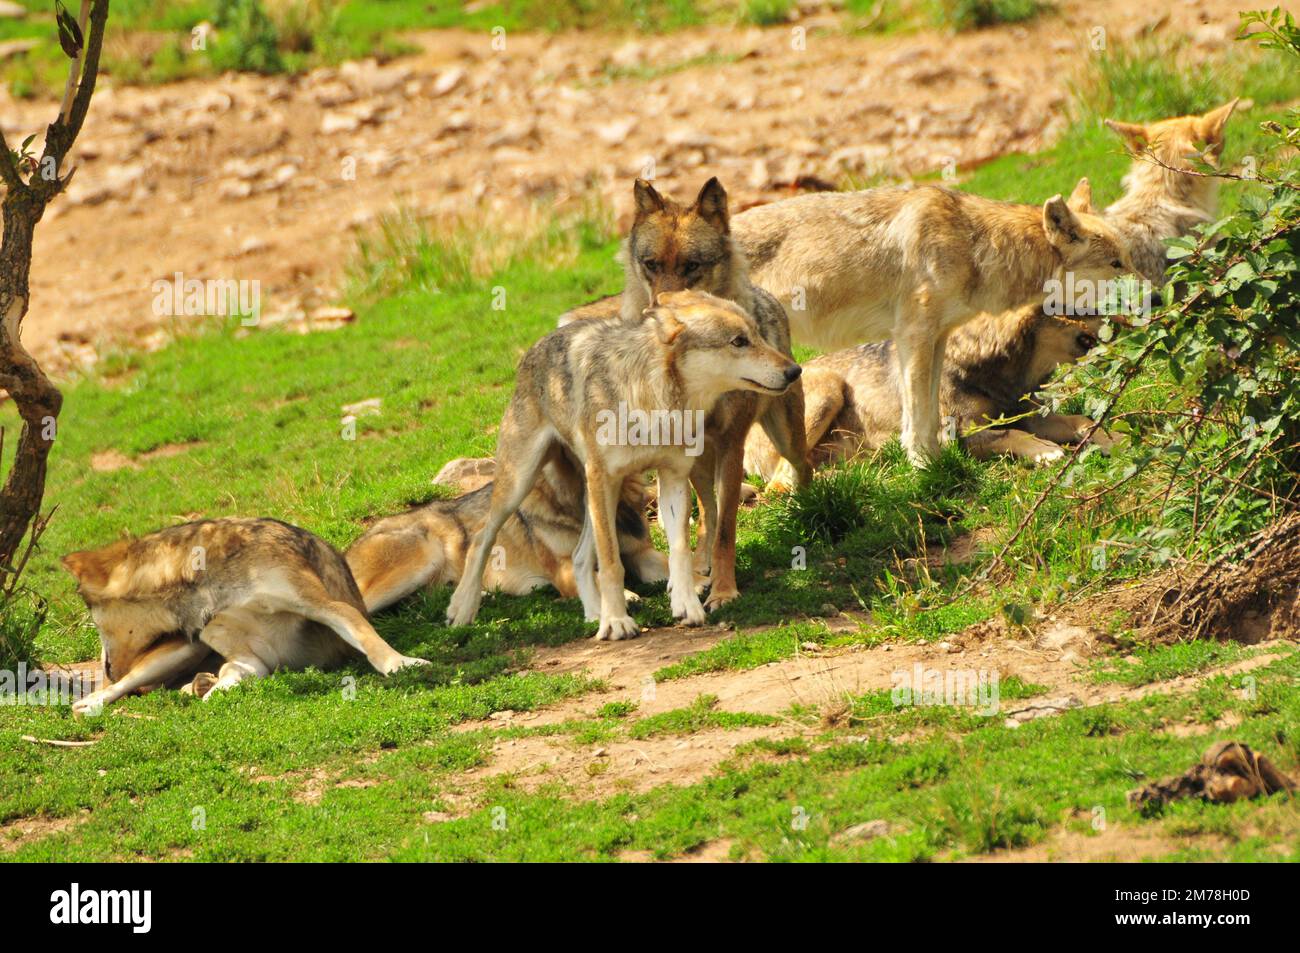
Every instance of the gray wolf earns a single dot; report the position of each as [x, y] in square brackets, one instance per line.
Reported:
[427, 545]
[1160, 200]
[911, 264]
[672, 247]
[664, 369]
[259, 594]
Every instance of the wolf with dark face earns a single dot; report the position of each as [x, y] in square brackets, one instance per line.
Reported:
[668, 368]
[673, 247]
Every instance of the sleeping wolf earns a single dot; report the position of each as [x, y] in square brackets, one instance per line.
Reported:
[427, 545]
[260, 594]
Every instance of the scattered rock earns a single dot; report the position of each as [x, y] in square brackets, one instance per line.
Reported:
[868, 830]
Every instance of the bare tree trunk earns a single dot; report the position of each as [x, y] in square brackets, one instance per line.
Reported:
[27, 191]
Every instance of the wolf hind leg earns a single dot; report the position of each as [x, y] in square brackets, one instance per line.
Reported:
[512, 483]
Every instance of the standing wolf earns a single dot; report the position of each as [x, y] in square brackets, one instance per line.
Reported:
[673, 247]
[993, 361]
[261, 594]
[911, 264]
[668, 367]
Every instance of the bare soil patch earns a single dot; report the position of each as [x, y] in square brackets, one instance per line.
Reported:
[264, 178]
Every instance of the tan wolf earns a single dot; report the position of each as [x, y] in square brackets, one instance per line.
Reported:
[259, 594]
[673, 247]
[621, 396]
[1161, 200]
[912, 263]
[427, 545]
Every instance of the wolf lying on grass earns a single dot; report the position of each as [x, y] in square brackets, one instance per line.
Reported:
[259, 594]
[673, 363]
[992, 363]
[672, 247]
[428, 545]
[911, 264]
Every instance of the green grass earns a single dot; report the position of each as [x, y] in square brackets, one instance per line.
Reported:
[347, 764]
[1158, 663]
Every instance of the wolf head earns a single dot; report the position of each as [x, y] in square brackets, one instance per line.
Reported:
[1058, 341]
[129, 625]
[1088, 246]
[716, 346]
[674, 248]
[1176, 144]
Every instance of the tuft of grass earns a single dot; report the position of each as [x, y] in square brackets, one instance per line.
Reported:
[747, 650]
[766, 12]
[21, 618]
[406, 252]
[699, 715]
[1160, 663]
[977, 14]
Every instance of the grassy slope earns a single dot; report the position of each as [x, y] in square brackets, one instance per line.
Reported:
[262, 414]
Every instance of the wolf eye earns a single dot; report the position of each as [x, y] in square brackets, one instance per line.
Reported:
[1117, 264]
[740, 341]
[691, 267]
[650, 265]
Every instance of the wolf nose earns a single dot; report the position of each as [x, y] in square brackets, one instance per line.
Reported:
[792, 373]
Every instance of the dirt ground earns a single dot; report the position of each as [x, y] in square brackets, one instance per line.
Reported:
[266, 179]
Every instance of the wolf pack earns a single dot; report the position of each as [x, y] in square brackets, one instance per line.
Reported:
[928, 303]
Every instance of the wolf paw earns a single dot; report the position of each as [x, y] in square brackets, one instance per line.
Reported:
[200, 686]
[92, 704]
[616, 628]
[687, 609]
[717, 599]
[399, 662]
[463, 608]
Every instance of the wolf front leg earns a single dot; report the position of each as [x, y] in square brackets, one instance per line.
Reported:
[674, 516]
[519, 459]
[722, 577]
[916, 340]
[602, 507]
[161, 664]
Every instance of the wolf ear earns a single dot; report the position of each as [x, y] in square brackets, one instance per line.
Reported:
[667, 324]
[1134, 134]
[1211, 126]
[711, 204]
[90, 569]
[1080, 199]
[1061, 224]
[648, 200]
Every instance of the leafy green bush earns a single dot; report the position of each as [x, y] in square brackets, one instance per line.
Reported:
[247, 39]
[1208, 387]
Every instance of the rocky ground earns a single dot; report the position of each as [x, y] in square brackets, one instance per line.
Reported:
[267, 179]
